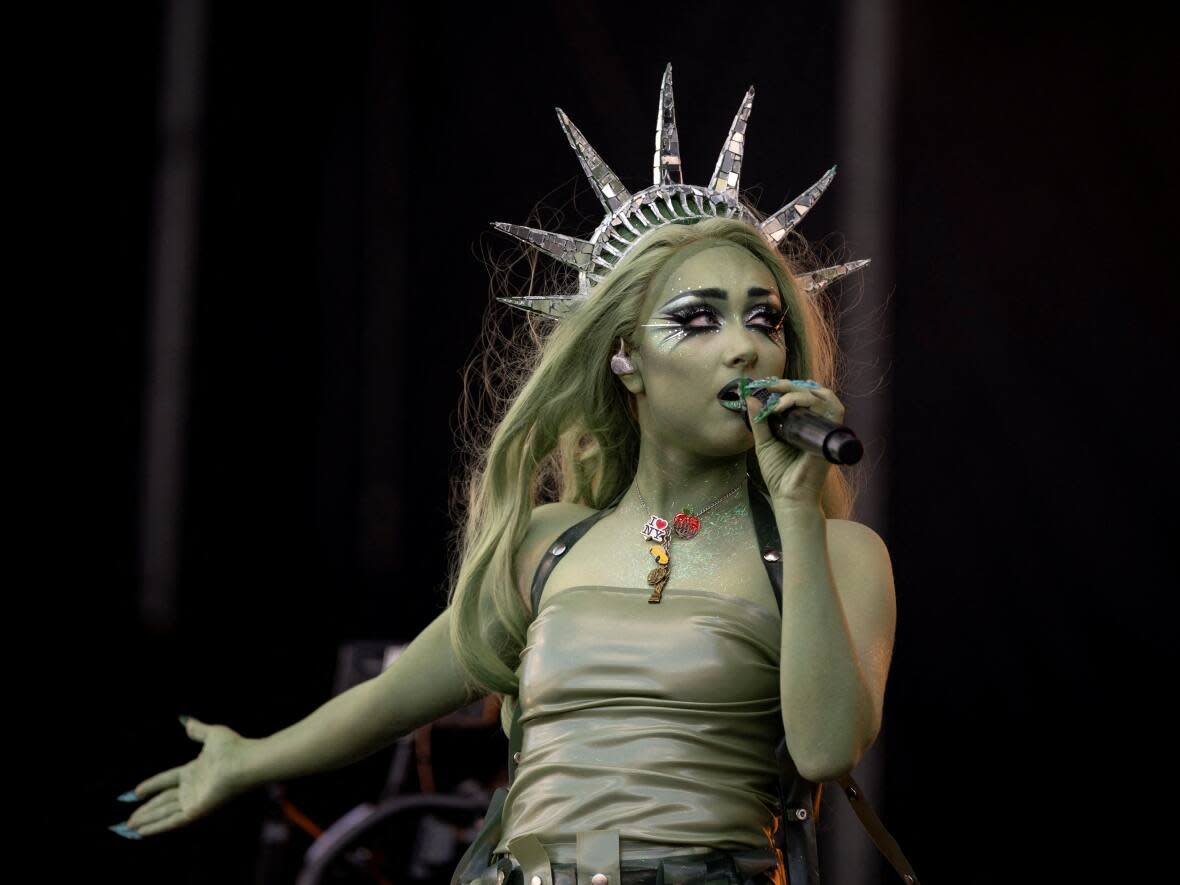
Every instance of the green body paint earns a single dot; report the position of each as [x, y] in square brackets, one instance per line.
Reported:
[668, 429]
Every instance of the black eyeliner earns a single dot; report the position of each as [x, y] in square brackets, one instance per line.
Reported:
[688, 313]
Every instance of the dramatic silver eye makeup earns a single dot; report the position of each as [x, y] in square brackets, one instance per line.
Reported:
[690, 313]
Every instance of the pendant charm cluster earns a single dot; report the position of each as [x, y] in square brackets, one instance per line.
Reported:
[686, 525]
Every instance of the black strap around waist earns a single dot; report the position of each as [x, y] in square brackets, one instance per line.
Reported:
[718, 869]
[754, 866]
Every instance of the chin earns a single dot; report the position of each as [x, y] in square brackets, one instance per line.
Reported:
[720, 434]
[736, 442]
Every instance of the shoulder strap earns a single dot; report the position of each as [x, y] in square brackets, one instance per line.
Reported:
[799, 797]
[769, 544]
[561, 546]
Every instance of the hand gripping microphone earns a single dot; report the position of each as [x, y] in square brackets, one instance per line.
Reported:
[802, 428]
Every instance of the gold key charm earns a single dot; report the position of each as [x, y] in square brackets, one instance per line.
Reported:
[657, 578]
[657, 591]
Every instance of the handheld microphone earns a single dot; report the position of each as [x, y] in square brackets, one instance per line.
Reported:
[802, 428]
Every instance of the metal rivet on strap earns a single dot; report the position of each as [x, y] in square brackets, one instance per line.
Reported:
[772, 555]
[558, 550]
[536, 880]
[516, 756]
[800, 814]
[599, 879]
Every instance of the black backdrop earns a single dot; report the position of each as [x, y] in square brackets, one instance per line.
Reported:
[351, 161]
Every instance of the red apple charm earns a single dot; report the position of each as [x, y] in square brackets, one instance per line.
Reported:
[686, 525]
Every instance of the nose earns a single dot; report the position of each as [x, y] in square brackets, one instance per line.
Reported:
[741, 352]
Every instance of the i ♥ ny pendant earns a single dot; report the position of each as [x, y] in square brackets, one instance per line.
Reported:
[686, 525]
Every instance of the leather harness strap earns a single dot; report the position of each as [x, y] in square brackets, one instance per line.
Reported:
[798, 801]
[564, 542]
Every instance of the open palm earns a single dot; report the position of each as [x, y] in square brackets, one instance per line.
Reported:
[180, 795]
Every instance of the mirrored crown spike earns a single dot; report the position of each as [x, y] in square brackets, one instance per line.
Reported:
[568, 250]
[727, 175]
[556, 307]
[815, 282]
[777, 226]
[605, 183]
[667, 159]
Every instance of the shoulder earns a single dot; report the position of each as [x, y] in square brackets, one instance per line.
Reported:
[861, 567]
[854, 538]
[546, 523]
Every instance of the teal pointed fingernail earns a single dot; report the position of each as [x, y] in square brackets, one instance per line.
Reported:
[760, 383]
[125, 831]
[802, 383]
[744, 387]
[183, 720]
[129, 796]
[771, 402]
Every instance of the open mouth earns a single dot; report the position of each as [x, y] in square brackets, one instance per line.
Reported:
[730, 397]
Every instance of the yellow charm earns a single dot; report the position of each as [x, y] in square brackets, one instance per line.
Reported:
[658, 551]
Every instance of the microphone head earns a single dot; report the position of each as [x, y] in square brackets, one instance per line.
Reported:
[842, 447]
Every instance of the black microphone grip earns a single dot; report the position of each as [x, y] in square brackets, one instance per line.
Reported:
[806, 430]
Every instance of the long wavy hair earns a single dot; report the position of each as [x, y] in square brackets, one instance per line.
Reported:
[565, 430]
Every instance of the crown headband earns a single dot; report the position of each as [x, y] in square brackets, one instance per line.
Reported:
[668, 201]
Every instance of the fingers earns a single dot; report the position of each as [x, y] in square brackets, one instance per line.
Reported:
[805, 398]
[195, 729]
[162, 813]
[123, 830]
[161, 781]
[151, 811]
[820, 400]
[762, 434]
[174, 820]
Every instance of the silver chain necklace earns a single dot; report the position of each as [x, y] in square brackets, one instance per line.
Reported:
[686, 525]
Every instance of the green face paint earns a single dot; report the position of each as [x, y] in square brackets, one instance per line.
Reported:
[712, 315]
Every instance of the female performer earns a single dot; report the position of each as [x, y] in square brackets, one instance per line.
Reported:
[646, 668]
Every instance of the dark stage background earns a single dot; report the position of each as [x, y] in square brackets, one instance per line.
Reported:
[351, 158]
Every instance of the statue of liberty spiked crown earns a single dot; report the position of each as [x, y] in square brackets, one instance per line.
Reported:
[668, 201]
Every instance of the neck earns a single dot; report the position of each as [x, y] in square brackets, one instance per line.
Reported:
[672, 480]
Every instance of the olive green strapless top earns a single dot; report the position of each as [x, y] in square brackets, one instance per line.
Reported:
[659, 721]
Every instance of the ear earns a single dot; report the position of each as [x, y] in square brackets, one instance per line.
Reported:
[633, 381]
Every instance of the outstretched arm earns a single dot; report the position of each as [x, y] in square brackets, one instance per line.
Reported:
[423, 684]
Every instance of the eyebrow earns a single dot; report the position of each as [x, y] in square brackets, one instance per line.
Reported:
[718, 294]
